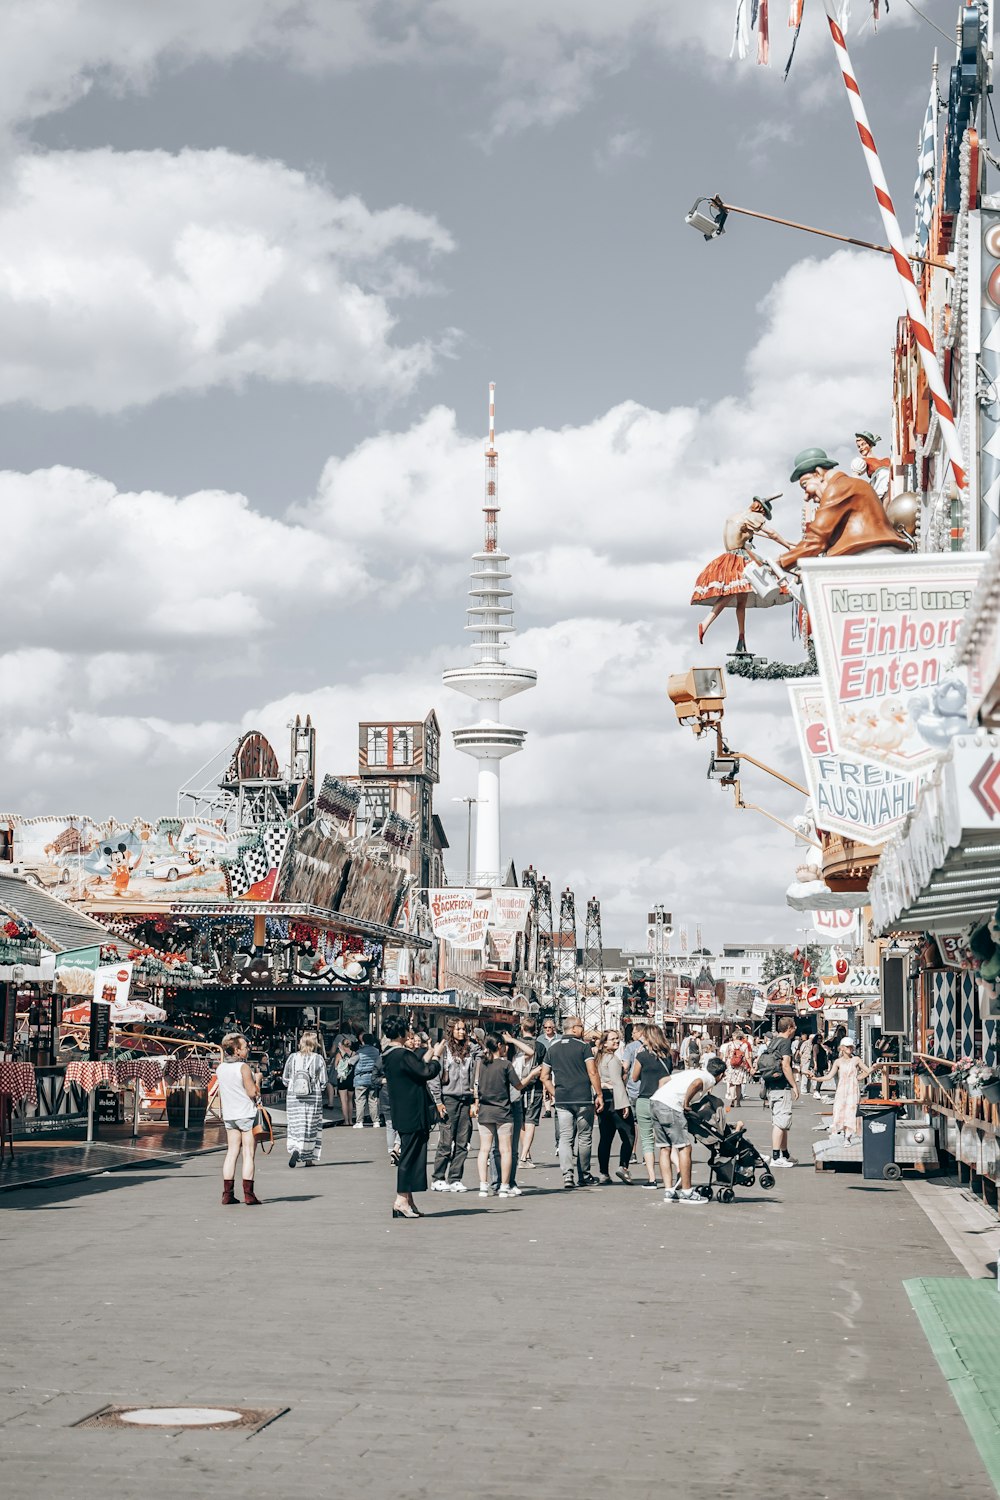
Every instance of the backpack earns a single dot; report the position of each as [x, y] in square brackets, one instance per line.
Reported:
[769, 1063]
[738, 1059]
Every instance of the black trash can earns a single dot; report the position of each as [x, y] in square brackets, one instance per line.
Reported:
[878, 1143]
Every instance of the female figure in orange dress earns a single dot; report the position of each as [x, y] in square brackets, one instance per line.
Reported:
[722, 583]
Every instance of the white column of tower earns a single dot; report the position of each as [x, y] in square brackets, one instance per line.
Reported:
[489, 680]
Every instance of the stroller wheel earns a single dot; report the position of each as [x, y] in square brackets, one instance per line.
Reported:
[767, 1181]
[727, 1195]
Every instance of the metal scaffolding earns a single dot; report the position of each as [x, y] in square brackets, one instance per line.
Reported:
[565, 956]
[593, 966]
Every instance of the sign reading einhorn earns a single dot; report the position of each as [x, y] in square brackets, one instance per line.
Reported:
[854, 798]
[885, 632]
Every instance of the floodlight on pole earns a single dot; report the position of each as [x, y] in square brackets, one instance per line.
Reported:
[710, 222]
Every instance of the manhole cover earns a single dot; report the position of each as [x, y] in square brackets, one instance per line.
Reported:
[205, 1418]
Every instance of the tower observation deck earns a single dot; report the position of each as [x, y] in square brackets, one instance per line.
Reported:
[489, 680]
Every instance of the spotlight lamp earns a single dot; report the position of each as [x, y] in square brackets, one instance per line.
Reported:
[724, 768]
[710, 222]
[697, 696]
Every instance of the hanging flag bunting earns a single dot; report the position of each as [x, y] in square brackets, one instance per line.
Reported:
[794, 19]
[741, 31]
[763, 39]
[940, 399]
[923, 188]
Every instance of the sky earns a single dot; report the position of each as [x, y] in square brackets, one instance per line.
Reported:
[259, 261]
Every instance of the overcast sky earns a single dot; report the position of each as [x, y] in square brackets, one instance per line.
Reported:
[259, 261]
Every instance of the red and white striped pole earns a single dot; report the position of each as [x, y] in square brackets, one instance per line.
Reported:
[914, 307]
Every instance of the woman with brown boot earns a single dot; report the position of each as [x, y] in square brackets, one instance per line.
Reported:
[239, 1092]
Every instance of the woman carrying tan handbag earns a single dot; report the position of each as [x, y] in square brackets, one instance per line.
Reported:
[239, 1099]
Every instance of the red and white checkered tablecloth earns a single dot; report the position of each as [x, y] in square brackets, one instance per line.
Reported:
[17, 1081]
[90, 1074]
[198, 1069]
[148, 1070]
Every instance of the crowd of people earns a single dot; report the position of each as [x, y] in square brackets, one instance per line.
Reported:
[637, 1087]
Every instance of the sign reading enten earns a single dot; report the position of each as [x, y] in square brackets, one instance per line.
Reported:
[855, 798]
[885, 630]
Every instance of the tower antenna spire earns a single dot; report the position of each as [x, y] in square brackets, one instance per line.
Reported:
[490, 679]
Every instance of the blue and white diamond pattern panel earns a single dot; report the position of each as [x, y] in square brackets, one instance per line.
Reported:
[942, 1018]
[990, 1038]
[966, 1007]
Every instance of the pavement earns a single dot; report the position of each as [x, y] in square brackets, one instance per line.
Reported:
[563, 1344]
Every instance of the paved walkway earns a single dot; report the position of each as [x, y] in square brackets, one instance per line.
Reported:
[565, 1345]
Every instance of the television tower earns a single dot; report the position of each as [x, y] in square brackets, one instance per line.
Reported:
[489, 680]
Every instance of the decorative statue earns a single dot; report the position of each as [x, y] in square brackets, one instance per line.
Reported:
[722, 583]
[878, 471]
[849, 518]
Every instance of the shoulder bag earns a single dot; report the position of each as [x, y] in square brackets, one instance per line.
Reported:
[263, 1131]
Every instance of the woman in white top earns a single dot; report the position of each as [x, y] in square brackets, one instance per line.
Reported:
[305, 1079]
[238, 1091]
[616, 1116]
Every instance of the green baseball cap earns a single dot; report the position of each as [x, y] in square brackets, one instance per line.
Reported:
[810, 459]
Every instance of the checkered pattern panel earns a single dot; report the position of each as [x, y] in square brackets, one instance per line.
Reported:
[966, 1008]
[943, 1007]
[275, 837]
[990, 1039]
[255, 862]
[237, 883]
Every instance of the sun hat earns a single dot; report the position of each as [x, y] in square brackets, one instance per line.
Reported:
[846, 1041]
[810, 459]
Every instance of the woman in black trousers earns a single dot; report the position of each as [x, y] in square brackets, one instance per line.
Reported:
[406, 1077]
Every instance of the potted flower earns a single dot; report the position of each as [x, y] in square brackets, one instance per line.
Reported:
[983, 1083]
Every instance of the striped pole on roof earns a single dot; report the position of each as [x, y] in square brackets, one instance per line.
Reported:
[914, 307]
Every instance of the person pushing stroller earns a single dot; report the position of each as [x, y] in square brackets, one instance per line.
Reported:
[670, 1129]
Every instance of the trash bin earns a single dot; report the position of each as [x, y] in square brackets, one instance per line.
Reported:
[878, 1144]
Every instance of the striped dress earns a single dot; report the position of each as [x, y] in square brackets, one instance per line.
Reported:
[305, 1113]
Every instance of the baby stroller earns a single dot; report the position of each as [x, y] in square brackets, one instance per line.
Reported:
[733, 1160]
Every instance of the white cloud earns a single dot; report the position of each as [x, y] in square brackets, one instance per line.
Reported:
[545, 60]
[129, 276]
[94, 567]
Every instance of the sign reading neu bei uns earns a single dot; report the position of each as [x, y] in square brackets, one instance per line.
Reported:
[885, 631]
[852, 797]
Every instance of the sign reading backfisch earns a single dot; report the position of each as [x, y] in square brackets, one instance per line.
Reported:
[852, 797]
[885, 633]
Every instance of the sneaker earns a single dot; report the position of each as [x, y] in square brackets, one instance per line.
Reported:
[484, 1191]
[526, 1162]
[784, 1161]
[358, 1125]
[568, 1180]
[439, 1185]
[293, 1157]
[503, 1192]
[690, 1196]
[650, 1185]
[624, 1175]
[513, 1192]
[669, 1194]
[457, 1187]
[604, 1180]
[588, 1180]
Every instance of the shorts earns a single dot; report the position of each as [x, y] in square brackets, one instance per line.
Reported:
[669, 1126]
[242, 1125]
[532, 1101]
[780, 1101]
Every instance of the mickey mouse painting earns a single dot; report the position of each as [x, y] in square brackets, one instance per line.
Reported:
[120, 862]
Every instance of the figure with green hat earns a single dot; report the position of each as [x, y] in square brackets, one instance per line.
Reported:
[878, 471]
[723, 584]
[849, 518]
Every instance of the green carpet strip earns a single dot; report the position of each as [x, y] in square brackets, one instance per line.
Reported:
[961, 1319]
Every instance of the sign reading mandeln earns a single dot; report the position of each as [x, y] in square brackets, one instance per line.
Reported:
[852, 797]
[885, 630]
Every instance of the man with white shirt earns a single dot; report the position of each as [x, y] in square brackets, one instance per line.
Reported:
[676, 1094]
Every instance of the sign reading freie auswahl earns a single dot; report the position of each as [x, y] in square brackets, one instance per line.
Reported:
[854, 798]
[885, 630]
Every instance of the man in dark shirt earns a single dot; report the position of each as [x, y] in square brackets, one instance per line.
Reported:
[570, 1077]
[781, 1090]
